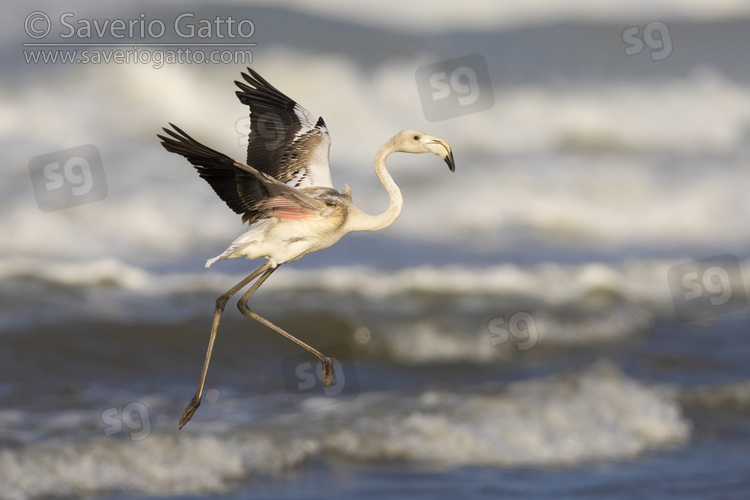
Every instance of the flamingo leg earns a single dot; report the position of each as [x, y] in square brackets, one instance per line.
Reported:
[221, 302]
[326, 363]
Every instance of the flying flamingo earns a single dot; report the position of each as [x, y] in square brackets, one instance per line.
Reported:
[285, 194]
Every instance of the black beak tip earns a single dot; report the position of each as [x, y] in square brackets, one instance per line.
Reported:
[450, 162]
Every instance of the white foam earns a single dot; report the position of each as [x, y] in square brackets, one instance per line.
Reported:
[596, 415]
[158, 465]
[625, 116]
[430, 340]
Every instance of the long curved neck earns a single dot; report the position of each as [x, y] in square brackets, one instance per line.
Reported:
[366, 222]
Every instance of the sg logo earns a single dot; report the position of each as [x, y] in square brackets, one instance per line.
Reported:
[462, 81]
[309, 376]
[68, 178]
[302, 378]
[455, 87]
[707, 287]
[133, 419]
[661, 45]
[521, 326]
[269, 128]
[242, 126]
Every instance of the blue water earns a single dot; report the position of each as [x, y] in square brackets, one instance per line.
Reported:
[514, 334]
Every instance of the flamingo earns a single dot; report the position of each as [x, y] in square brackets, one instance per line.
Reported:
[285, 193]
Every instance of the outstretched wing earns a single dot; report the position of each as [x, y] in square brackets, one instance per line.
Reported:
[244, 189]
[286, 141]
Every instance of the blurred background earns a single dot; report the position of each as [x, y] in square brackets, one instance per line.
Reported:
[564, 316]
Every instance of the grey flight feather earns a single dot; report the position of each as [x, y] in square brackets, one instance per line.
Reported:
[285, 141]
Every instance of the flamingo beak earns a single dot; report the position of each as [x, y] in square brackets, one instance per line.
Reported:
[442, 149]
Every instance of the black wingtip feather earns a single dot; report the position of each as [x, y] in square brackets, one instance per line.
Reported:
[244, 189]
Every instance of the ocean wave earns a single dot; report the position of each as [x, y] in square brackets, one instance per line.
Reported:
[598, 414]
[595, 415]
[576, 290]
[159, 465]
[555, 284]
[411, 316]
[509, 334]
[728, 398]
